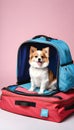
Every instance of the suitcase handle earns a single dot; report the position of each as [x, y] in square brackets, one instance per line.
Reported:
[25, 103]
[47, 38]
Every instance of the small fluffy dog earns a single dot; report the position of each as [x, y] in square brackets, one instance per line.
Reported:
[39, 73]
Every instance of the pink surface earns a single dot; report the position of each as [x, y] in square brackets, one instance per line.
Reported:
[22, 19]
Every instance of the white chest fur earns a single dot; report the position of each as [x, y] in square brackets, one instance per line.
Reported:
[38, 76]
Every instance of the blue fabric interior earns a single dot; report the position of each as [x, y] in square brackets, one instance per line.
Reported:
[46, 92]
[23, 61]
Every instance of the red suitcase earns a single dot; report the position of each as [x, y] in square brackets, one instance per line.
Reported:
[53, 108]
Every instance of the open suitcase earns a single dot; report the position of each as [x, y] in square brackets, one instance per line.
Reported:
[53, 105]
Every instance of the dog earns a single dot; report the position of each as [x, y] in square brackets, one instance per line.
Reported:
[40, 75]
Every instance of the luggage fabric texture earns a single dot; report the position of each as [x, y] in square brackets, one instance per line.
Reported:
[53, 105]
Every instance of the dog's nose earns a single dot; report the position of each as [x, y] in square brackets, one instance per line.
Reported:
[39, 59]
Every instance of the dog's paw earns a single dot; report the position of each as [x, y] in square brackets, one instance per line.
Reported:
[53, 87]
[31, 89]
[40, 92]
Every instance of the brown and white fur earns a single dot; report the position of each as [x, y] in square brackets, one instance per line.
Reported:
[39, 73]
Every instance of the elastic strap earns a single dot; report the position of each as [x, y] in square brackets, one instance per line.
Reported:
[67, 63]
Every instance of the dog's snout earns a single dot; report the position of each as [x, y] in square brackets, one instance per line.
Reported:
[39, 59]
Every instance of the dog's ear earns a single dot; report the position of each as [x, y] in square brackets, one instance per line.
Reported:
[46, 51]
[32, 49]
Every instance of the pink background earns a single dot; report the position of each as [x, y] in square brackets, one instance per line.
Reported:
[22, 19]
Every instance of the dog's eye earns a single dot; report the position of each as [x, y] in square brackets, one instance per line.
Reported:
[42, 57]
[36, 56]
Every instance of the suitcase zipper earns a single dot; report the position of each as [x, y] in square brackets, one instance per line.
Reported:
[29, 94]
[59, 101]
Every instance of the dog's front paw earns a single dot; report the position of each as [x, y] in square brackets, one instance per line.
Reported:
[31, 89]
[41, 91]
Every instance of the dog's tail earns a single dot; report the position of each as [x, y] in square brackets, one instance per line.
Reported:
[53, 85]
